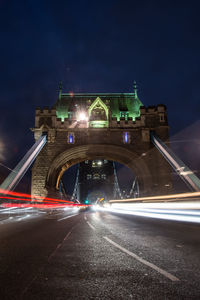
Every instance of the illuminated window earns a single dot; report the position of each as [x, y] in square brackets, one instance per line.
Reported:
[124, 115]
[96, 176]
[71, 138]
[89, 176]
[98, 114]
[126, 138]
[86, 162]
[105, 161]
[97, 163]
[103, 176]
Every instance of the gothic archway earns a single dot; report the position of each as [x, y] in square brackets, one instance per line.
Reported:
[78, 154]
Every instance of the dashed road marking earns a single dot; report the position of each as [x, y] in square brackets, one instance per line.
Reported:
[91, 225]
[66, 217]
[145, 262]
[54, 252]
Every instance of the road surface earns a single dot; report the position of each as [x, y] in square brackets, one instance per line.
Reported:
[97, 255]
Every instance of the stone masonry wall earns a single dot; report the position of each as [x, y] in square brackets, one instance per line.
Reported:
[152, 118]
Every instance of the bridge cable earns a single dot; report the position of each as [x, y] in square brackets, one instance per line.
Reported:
[177, 164]
[22, 167]
[74, 195]
[116, 183]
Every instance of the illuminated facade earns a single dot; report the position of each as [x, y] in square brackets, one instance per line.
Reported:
[98, 110]
[98, 126]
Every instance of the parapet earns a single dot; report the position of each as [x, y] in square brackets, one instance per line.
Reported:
[45, 111]
[151, 116]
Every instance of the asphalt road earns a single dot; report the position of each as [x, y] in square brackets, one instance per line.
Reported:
[98, 255]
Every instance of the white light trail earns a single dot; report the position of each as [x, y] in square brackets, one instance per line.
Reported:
[160, 198]
[176, 211]
[178, 207]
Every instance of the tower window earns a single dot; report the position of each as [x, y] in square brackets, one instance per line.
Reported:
[71, 138]
[89, 176]
[96, 176]
[162, 118]
[126, 138]
[124, 115]
[103, 176]
[96, 163]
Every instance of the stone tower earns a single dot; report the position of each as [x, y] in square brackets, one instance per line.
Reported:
[98, 126]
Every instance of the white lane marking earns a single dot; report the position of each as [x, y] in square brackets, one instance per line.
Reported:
[91, 225]
[85, 217]
[67, 217]
[54, 252]
[60, 244]
[145, 262]
[49, 259]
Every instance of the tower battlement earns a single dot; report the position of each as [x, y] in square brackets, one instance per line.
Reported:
[153, 115]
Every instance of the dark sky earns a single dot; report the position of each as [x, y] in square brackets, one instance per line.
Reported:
[96, 46]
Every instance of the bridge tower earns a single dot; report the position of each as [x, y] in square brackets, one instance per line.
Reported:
[101, 126]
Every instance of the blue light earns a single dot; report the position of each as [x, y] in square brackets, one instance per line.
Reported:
[71, 138]
[126, 137]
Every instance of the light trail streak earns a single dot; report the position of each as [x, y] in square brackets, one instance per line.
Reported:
[177, 211]
[30, 200]
[180, 205]
[6, 209]
[161, 197]
[41, 205]
[22, 218]
[170, 217]
[35, 201]
[23, 199]
[38, 205]
[31, 196]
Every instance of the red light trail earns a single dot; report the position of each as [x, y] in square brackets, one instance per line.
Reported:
[32, 196]
[45, 202]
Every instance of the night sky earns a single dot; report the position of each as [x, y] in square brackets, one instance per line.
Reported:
[99, 46]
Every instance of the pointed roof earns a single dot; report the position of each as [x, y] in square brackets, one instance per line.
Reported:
[95, 103]
[115, 102]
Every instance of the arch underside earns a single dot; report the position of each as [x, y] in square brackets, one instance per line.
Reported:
[119, 154]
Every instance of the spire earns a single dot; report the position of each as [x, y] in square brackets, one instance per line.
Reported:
[60, 90]
[135, 89]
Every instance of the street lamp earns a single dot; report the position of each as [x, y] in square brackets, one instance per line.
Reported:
[82, 116]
